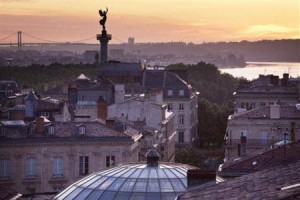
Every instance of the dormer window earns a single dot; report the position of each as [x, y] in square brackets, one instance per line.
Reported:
[181, 93]
[81, 129]
[170, 92]
[51, 129]
[2, 130]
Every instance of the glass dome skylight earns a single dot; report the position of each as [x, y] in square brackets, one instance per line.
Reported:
[134, 181]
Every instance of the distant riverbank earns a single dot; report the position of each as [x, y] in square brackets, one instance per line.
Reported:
[254, 69]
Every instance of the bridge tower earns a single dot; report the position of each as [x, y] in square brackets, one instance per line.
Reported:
[19, 40]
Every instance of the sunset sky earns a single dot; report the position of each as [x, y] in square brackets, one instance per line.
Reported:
[152, 20]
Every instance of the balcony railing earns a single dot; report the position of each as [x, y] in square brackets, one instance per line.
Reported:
[251, 142]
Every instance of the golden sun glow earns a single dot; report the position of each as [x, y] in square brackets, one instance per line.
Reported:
[154, 20]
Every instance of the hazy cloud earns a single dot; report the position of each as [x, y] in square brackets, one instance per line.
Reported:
[11, 1]
[268, 28]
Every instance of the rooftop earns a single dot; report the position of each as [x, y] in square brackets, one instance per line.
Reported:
[131, 181]
[261, 161]
[286, 112]
[280, 182]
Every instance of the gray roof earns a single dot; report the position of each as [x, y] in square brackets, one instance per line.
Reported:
[162, 78]
[13, 123]
[120, 68]
[66, 132]
[16, 108]
[272, 183]
[286, 112]
[95, 129]
[31, 96]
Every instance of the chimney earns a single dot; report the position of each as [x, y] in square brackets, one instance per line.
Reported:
[199, 176]
[39, 124]
[102, 108]
[275, 111]
[110, 123]
[243, 145]
[119, 93]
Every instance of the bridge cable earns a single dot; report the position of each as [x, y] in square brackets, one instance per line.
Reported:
[4, 38]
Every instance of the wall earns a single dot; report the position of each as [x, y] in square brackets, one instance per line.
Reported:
[45, 154]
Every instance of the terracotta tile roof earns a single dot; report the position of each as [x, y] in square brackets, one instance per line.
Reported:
[267, 184]
[286, 112]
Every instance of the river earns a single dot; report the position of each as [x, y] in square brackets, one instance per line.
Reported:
[254, 69]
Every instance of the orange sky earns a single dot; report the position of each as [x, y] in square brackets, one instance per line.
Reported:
[152, 20]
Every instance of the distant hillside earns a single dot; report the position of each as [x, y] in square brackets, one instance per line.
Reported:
[286, 50]
[265, 50]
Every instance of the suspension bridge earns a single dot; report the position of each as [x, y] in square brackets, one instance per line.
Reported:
[25, 39]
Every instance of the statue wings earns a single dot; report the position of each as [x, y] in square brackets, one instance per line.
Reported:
[101, 13]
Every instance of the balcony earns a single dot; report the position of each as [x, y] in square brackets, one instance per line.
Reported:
[250, 143]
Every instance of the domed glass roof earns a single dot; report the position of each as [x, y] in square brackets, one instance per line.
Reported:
[134, 181]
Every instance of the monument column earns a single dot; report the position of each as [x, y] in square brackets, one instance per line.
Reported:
[104, 39]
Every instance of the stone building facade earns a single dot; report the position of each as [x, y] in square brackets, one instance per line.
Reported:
[150, 115]
[49, 156]
[180, 98]
[260, 129]
[267, 90]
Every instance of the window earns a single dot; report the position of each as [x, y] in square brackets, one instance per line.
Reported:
[31, 167]
[110, 161]
[262, 104]
[83, 165]
[243, 105]
[181, 93]
[58, 166]
[170, 92]
[181, 119]
[45, 114]
[51, 129]
[181, 106]
[4, 168]
[2, 130]
[181, 136]
[170, 106]
[264, 137]
[244, 133]
[81, 129]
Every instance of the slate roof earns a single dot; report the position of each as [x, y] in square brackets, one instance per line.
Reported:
[93, 129]
[270, 184]
[16, 108]
[259, 162]
[67, 132]
[44, 104]
[162, 78]
[13, 123]
[286, 112]
[120, 68]
[268, 90]
[6, 193]
[58, 90]
[31, 96]
[8, 85]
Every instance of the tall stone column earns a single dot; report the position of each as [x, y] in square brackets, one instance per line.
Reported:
[104, 39]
